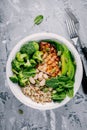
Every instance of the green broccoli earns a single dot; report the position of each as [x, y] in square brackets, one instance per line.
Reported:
[33, 62]
[22, 79]
[14, 78]
[38, 56]
[27, 64]
[20, 57]
[36, 46]
[16, 65]
[26, 73]
[14, 71]
[23, 82]
[29, 48]
[20, 75]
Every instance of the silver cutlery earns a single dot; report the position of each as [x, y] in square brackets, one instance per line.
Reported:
[73, 27]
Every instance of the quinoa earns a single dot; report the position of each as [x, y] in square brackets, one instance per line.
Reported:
[36, 94]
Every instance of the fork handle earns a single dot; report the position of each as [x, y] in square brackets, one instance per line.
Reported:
[84, 50]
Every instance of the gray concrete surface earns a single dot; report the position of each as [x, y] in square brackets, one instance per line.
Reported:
[16, 22]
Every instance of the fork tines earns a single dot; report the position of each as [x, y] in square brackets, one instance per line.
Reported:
[71, 28]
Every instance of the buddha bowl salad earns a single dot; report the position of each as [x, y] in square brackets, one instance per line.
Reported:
[44, 70]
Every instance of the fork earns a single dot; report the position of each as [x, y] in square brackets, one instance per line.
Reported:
[73, 27]
[73, 33]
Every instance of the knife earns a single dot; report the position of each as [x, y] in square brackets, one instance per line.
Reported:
[84, 82]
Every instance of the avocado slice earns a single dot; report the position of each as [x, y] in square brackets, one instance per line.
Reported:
[71, 70]
[64, 60]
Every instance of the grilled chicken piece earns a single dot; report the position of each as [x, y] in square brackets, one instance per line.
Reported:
[50, 59]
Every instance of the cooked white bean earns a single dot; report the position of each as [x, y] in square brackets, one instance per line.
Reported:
[36, 76]
[40, 76]
[32, 80]
[42, 83]
[37, 71]
[45, 76]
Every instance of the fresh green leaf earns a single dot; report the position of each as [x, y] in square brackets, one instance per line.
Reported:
[58, 97]
[60, 89]
[61, 85]
[38, 19]
[53, 82]
[28, 73]
[70, 92]
[63, 78]
[20, 111]
[69, 84]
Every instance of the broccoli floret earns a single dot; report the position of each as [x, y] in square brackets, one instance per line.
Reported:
[20, 57]
[14, 78]
[27, 64]
[29, 48]
[33, 62]
[14, 71]
[36, 46]
[16, 65]
[38, 56]
[20, 75]
[23, 82]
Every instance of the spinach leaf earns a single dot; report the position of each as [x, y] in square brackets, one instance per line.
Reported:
[63, 78]
[29, 73]
[20, 111]
[58, 97]
[38, 19]
[60, 89]
[69, 84]
[62, 85]
[53, 82]
[70, 92]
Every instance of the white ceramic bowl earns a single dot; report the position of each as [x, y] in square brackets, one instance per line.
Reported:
[16, 89]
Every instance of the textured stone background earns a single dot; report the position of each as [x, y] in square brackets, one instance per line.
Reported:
[16, 22]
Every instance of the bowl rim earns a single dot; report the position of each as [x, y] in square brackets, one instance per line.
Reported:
[52, 36]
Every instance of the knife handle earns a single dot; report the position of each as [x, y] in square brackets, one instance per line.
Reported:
[84, 50]
[84, 81]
